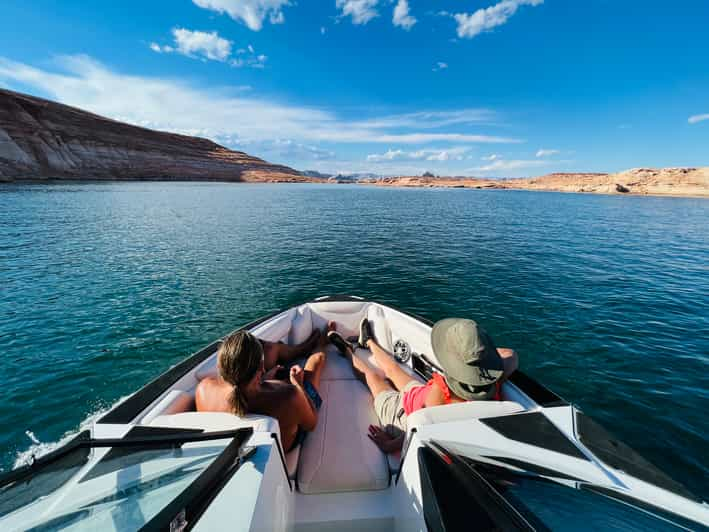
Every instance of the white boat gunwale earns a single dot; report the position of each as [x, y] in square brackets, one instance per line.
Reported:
[566, 453]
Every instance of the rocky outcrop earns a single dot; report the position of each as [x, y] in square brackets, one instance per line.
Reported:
[41, 140]
[639, 181]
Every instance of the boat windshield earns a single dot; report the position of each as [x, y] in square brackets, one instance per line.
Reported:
[560, 502]
[130, 486]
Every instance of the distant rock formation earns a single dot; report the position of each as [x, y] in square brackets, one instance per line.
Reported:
[41, 140]
[638, 181]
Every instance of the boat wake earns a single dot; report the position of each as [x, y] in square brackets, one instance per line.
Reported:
[39, 448]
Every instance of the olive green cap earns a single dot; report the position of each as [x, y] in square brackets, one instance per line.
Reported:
[468, 356]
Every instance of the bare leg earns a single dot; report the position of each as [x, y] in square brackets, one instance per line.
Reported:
[277, 353]
[391, 368]
[316, 362]
[368, 375]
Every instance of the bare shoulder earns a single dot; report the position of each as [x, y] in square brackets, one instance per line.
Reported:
[212, 396]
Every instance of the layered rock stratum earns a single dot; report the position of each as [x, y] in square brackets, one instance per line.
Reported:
[42, 140]
[638, 181]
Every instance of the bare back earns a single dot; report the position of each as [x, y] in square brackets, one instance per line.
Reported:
[275, 398]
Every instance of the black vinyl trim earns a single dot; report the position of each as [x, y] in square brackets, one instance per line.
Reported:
[534, 428]
[283, 459]
[130, 453]
[538, 393]
[404, 452]
[503, 514]
[129, 409]
[533, 468]
[620, 456]
[676, 519]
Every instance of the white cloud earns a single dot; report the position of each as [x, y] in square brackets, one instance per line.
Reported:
[218, 113]
[432, 119]
[200, 44]
[470, 25]
[698, 118]
[402, 17]
[547, 153]
[491, 157]
[361, 11]
[440, 66]
[250, 12]
[203, 45]
[440, 155]
[504, 165]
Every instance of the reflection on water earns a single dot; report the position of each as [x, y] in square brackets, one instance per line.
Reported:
[606, 298]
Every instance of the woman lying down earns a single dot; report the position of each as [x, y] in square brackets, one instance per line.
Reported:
[246, 383]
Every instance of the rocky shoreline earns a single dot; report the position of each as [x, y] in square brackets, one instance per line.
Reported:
[689, 182]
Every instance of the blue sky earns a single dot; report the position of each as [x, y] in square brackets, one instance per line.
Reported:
[464, 87]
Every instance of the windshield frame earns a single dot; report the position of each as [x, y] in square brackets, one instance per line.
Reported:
[188, 505]
[560, 478]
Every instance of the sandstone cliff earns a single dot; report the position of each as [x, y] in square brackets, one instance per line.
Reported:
[41, 140]
[639, 181]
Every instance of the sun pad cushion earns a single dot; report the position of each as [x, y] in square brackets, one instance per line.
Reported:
[338, 456]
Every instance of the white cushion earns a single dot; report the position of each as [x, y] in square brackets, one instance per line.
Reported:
[380, 328]
[292, 458]
[174, 402]
[338, 368]
[461, 412]
[301, 326]
[338, 456]
[276, 329]
[207, 369]
[216, 421]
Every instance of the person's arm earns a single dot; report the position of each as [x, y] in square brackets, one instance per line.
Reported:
[387, 443]
[510, 360]
[307, 413]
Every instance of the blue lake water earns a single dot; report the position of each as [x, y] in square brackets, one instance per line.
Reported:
[606, 298]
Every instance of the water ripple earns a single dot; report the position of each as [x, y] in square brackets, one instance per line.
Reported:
[606, 299]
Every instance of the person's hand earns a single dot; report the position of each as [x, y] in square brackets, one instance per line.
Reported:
[296, 376]
[382, 439]
[271, 373]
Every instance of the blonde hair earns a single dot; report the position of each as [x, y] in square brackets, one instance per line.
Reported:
[240, 356]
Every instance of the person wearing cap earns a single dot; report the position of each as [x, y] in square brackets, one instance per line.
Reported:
[473, 369]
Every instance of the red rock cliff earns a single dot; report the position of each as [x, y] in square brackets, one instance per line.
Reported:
[40, 140]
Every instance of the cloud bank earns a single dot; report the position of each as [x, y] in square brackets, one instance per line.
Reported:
[226, 114]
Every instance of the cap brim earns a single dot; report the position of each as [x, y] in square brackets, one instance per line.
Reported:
[464, 392]
[488, 369]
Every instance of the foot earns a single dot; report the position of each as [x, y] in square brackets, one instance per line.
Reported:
[338, 341]
[323, 339]
[365, 333]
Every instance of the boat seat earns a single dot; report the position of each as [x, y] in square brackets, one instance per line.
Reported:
[338, 456]
[461, 412]
[174, 402]
[216, 421]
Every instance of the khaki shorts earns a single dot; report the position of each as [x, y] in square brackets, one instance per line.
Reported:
[389, 406]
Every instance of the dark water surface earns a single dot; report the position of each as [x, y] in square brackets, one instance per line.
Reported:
[606, 299]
